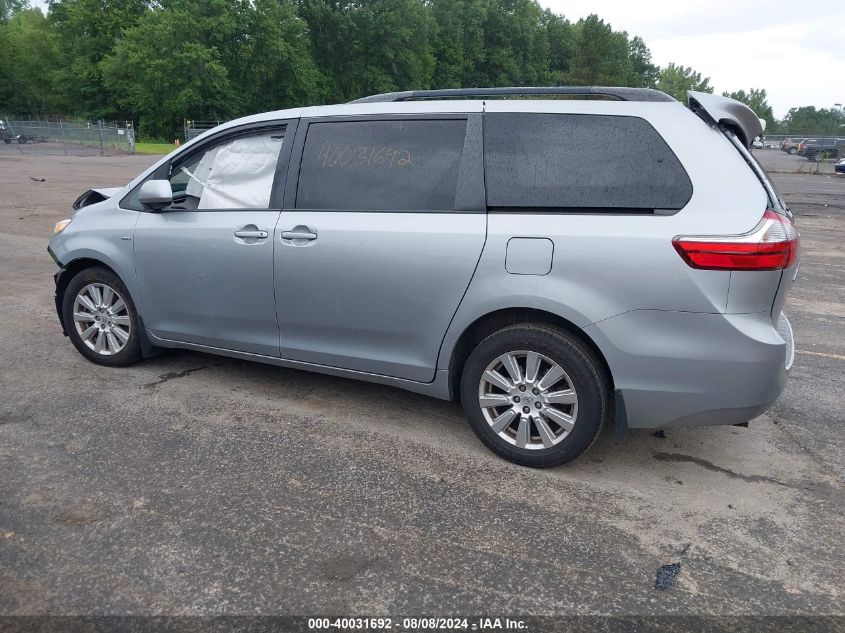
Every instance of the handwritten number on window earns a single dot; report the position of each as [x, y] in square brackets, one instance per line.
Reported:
[332, 156]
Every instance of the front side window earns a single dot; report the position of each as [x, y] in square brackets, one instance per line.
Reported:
[580, 162]
[235, 174]
[398, 165]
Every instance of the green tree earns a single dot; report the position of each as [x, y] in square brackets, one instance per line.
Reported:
[8, 8]
[278, 68]
[394, 46]
[561, 36]
[676, 80]
[458, 42]
[28, 46]
[644, 73]
[515, 44]
[601, 56]
[212, 59]
[86, 31]
[366, 46]
[756, 100]
[166, 69]
[807, 120]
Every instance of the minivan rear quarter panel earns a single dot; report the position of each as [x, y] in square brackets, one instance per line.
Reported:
[609, 263]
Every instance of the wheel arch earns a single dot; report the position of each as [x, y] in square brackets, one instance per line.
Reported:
[487, 324]
[72, 269]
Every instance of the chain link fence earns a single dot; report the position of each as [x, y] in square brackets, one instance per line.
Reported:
[71, 138]
[194, 128]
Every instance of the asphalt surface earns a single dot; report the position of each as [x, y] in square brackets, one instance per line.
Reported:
[776, 160]
[192, 484]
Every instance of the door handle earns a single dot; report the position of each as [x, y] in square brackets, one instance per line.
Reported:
[299, 233]
[257, 234]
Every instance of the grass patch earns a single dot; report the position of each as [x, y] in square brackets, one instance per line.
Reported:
[154, 148]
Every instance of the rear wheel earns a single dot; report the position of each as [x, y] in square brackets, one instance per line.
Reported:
[100, 318]
[535, 395]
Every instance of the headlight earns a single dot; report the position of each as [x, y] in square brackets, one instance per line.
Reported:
[60, 226]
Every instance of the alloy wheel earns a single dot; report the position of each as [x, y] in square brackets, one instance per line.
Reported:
[101, 318]
[528, 400]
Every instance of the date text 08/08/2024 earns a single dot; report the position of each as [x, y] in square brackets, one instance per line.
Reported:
[417, 624]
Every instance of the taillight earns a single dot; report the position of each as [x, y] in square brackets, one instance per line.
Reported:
[771, 245]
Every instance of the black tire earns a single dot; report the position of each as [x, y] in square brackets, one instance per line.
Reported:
[131, 351]
[793, 151]
[584, 370]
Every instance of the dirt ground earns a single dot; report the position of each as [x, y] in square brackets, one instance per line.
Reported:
[192, 484]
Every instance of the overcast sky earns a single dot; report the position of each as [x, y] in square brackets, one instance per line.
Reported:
[795, 50]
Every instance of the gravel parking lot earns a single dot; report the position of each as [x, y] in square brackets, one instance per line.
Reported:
[192, 484]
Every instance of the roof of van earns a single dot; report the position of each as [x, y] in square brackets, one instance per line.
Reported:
[605, 92]
[715, 109]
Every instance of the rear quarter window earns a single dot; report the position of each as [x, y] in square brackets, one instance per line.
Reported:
[580, 162]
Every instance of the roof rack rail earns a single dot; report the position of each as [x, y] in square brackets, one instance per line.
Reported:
[619, 94]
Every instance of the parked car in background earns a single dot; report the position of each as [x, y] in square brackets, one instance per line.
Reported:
[757, 144]
[817, 149]
[803, 145]
[6, 134]
[839, 168]
[455, 243]
[790, 146]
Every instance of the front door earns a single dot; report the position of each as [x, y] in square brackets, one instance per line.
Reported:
[380, 241]
[205, 264]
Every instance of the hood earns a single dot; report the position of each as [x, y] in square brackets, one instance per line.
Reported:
[93, 196]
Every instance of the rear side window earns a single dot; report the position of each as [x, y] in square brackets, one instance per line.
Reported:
[399, 165]
[776, 203]
[580, 162]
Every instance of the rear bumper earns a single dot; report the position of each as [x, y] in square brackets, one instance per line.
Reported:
[693, 369]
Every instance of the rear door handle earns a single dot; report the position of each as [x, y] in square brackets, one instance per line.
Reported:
[257, 234]
[299, 233]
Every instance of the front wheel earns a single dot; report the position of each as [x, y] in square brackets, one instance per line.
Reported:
[100, 318]
[535, 395]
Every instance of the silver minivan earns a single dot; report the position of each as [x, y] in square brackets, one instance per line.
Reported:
[577, 258]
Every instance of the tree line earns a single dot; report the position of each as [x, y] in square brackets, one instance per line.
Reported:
[159, 62]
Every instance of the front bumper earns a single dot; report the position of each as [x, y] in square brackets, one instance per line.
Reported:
[60, 280]
[694, 369]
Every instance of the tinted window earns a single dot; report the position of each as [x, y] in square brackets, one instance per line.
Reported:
[775, 201]
[580, 161]
[407, 165]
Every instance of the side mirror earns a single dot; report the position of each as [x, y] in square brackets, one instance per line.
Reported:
[155, 194]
